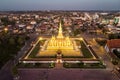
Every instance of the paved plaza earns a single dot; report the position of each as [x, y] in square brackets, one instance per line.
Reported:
[66, 74]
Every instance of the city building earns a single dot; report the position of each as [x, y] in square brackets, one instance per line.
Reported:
[112, 44]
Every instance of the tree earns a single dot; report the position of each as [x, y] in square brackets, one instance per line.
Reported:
[76, 32]
[116, 52]
[115, 61]
[104, 31]
[83, 29]
[6, 21]
[15, 73]
[27, 38]
[101, 26]
[20, 40]
[12, 41]
[111, 36]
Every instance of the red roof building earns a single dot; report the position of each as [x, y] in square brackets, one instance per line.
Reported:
[114, 43]
[111, 45]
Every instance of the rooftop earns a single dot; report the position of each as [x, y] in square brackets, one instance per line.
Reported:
[114, 43]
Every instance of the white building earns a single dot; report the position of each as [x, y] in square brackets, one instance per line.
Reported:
[118, 21]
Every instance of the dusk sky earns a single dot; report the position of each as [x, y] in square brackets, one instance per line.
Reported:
[59, 5]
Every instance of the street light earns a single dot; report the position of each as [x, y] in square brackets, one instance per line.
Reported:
[40, 38]
[5, 29]
[81, 39]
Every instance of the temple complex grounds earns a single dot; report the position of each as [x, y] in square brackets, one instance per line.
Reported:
[82, 52]
[84, 58]
[61, 51]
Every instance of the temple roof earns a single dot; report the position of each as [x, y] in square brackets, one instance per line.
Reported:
[60, 33]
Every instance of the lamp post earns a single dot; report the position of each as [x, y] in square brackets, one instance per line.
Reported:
[40, 38]
[6, 30]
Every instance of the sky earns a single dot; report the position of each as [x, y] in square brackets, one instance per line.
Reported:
[6, 5]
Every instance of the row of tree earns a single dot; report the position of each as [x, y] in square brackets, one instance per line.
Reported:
[10, 45]
[6, 21]
[114, 36]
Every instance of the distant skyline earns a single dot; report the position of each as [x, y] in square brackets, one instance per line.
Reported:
[7, 5]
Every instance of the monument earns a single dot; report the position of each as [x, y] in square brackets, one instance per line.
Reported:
[67, 45]
[60, 42]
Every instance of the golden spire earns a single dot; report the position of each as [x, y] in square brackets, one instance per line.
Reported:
[60, 34]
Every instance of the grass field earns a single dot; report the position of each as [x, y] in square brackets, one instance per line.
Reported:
[85, 50]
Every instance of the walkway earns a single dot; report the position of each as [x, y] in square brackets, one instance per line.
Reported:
[59, 66]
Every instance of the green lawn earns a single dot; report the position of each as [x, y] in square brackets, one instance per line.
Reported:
[85, 50]
[36, 49]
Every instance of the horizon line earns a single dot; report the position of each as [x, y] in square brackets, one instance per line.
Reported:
[56, 10]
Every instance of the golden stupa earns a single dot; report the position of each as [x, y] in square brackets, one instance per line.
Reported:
[67, 45]
[60, 42]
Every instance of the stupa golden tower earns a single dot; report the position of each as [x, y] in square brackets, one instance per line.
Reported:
[60, 42]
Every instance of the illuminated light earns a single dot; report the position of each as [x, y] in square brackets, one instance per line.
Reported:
[52, 61]
[59, 61]
[40, 38]
[60, 42]
[81, 39]
[5, 29]
[88, 45]
[60, 35]
[110, 29]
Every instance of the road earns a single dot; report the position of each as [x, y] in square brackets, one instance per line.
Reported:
[100, 51]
